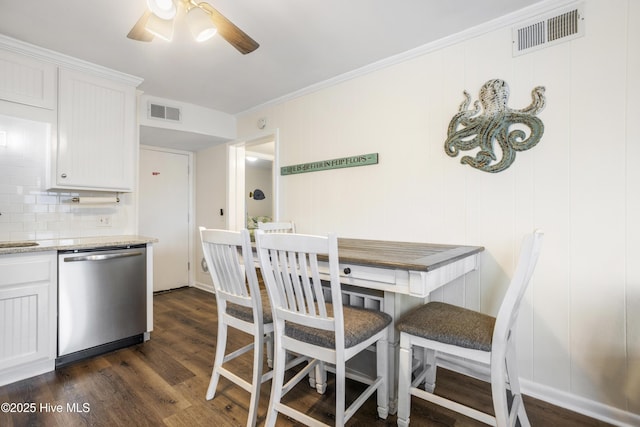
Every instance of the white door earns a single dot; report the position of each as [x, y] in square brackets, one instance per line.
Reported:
[164, 214]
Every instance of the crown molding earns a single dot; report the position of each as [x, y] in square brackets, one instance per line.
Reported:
[508, 20]
[66, 61]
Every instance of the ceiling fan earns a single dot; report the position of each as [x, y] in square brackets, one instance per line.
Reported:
[203, 21]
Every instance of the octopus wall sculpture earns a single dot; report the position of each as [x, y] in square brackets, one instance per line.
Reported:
[472, 129]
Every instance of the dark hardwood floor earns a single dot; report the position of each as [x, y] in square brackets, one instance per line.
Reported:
[163, 382]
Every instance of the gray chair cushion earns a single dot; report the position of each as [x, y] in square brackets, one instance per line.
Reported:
[359, 325]
[449, 324]
[246, 313]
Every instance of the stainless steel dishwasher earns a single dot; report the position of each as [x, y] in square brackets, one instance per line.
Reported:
[102, 303]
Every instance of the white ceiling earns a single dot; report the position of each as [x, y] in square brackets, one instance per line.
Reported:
[302, 42]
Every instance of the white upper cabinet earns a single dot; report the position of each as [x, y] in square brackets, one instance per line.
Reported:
[27, 81]
[92, 110]
[96, 146]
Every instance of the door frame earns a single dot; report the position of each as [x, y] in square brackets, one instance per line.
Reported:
[191, 276]
[236, 181]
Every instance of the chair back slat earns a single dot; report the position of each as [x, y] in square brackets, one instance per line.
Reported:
[306, 285]
[285, 279]
[228, 253]
[318, 290]
[226, 266]
[277, 227]
[279, 295]
[289, 263]
[298, 279]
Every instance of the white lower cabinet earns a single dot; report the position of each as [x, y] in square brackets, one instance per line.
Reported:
[28, 309]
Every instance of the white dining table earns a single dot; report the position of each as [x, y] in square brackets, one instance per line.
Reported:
[375, 272]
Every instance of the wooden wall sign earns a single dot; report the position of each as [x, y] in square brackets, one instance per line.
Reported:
[343, 162]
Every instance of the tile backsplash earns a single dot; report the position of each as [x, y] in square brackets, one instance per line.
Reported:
[29, 211]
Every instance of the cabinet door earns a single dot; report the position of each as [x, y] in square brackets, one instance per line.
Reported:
[27, 81]
[96, 133]
[28, 295]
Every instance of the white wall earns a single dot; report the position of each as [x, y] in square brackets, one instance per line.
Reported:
[193, 118]
[211, 190]
[579, 329]
[258, 178]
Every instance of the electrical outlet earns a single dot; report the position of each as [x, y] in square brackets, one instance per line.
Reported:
[104, 221]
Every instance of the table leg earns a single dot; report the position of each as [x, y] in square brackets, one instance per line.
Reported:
[390, 309]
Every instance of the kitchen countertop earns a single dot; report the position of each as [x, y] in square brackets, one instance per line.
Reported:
[77, 243]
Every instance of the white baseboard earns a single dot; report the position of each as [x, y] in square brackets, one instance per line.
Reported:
[579, 404]
[27, 370]
[204, 286]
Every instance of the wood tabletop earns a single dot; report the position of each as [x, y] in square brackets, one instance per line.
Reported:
[401, 255]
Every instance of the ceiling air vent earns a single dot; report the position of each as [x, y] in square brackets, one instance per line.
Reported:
[557, 27]
[157, 111]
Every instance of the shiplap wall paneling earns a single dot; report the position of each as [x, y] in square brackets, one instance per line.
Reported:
[549, 294]
[597, 198]
[631, 385]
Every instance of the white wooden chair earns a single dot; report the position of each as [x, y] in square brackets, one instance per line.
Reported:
[230, 260]
[304, 323]
[277, 227]
[469, 342]
[318, 379]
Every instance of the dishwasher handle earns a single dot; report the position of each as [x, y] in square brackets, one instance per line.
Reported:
[102, 257]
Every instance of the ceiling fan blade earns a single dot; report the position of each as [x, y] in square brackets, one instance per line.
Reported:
[227, 29]
[138, 31]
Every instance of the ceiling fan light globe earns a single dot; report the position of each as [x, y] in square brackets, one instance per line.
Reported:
[206, 34]
[162, 28]
[200, 24]
[164, 9]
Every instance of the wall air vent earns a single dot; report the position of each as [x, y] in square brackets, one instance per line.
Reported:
[157, 111]
[556, 27]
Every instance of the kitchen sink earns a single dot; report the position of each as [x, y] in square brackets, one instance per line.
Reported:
[6, 245]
